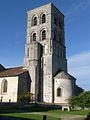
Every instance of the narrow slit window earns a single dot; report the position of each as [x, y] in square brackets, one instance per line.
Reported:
[34, 36]
[28, 52]
[4, 86]
[43, 18]
[43, 34]
[55, 20]
[35, 21]
[58, 92]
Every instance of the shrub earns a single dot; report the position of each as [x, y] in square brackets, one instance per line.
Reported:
[25, 97]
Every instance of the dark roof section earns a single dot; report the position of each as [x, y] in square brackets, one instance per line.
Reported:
[63, 74]
[57, 9]
[58, 71]
[2, 68]
[78, 90]
[13, 71]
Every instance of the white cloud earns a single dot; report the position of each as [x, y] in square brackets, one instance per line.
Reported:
[79, 66]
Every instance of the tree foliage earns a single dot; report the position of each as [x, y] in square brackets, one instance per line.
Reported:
[82, 100]
[25, 97]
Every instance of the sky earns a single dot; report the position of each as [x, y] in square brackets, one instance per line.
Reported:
[13, 22]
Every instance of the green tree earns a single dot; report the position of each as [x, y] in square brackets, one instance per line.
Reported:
[82, 101]
[73, 101]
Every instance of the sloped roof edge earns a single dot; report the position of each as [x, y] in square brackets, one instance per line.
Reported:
[2, 68]
[13, 71]
[62, 74]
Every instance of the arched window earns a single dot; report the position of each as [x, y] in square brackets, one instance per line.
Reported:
[34, 37]
[55, 35]
[34, 21]
[60, 24]
[4, 86]
[43, 34]
[55, 20]
[58, 92]
[43, 18]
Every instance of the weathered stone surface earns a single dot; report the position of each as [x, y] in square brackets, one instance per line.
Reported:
[43, 62]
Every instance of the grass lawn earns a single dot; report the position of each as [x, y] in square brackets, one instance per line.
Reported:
[37, 113]
[74, 112]
[29, 116]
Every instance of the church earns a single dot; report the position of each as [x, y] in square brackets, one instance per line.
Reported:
[44, 72]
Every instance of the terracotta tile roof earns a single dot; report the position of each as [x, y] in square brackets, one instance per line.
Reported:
[13, 71]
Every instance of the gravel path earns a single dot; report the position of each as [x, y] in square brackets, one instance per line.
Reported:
[63, 117]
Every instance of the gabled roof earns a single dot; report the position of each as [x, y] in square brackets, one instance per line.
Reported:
[13, 71]
[64, 75]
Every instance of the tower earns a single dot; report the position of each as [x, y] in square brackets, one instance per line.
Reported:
[45, 51]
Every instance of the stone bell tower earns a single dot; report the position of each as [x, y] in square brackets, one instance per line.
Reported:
[45, 50]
